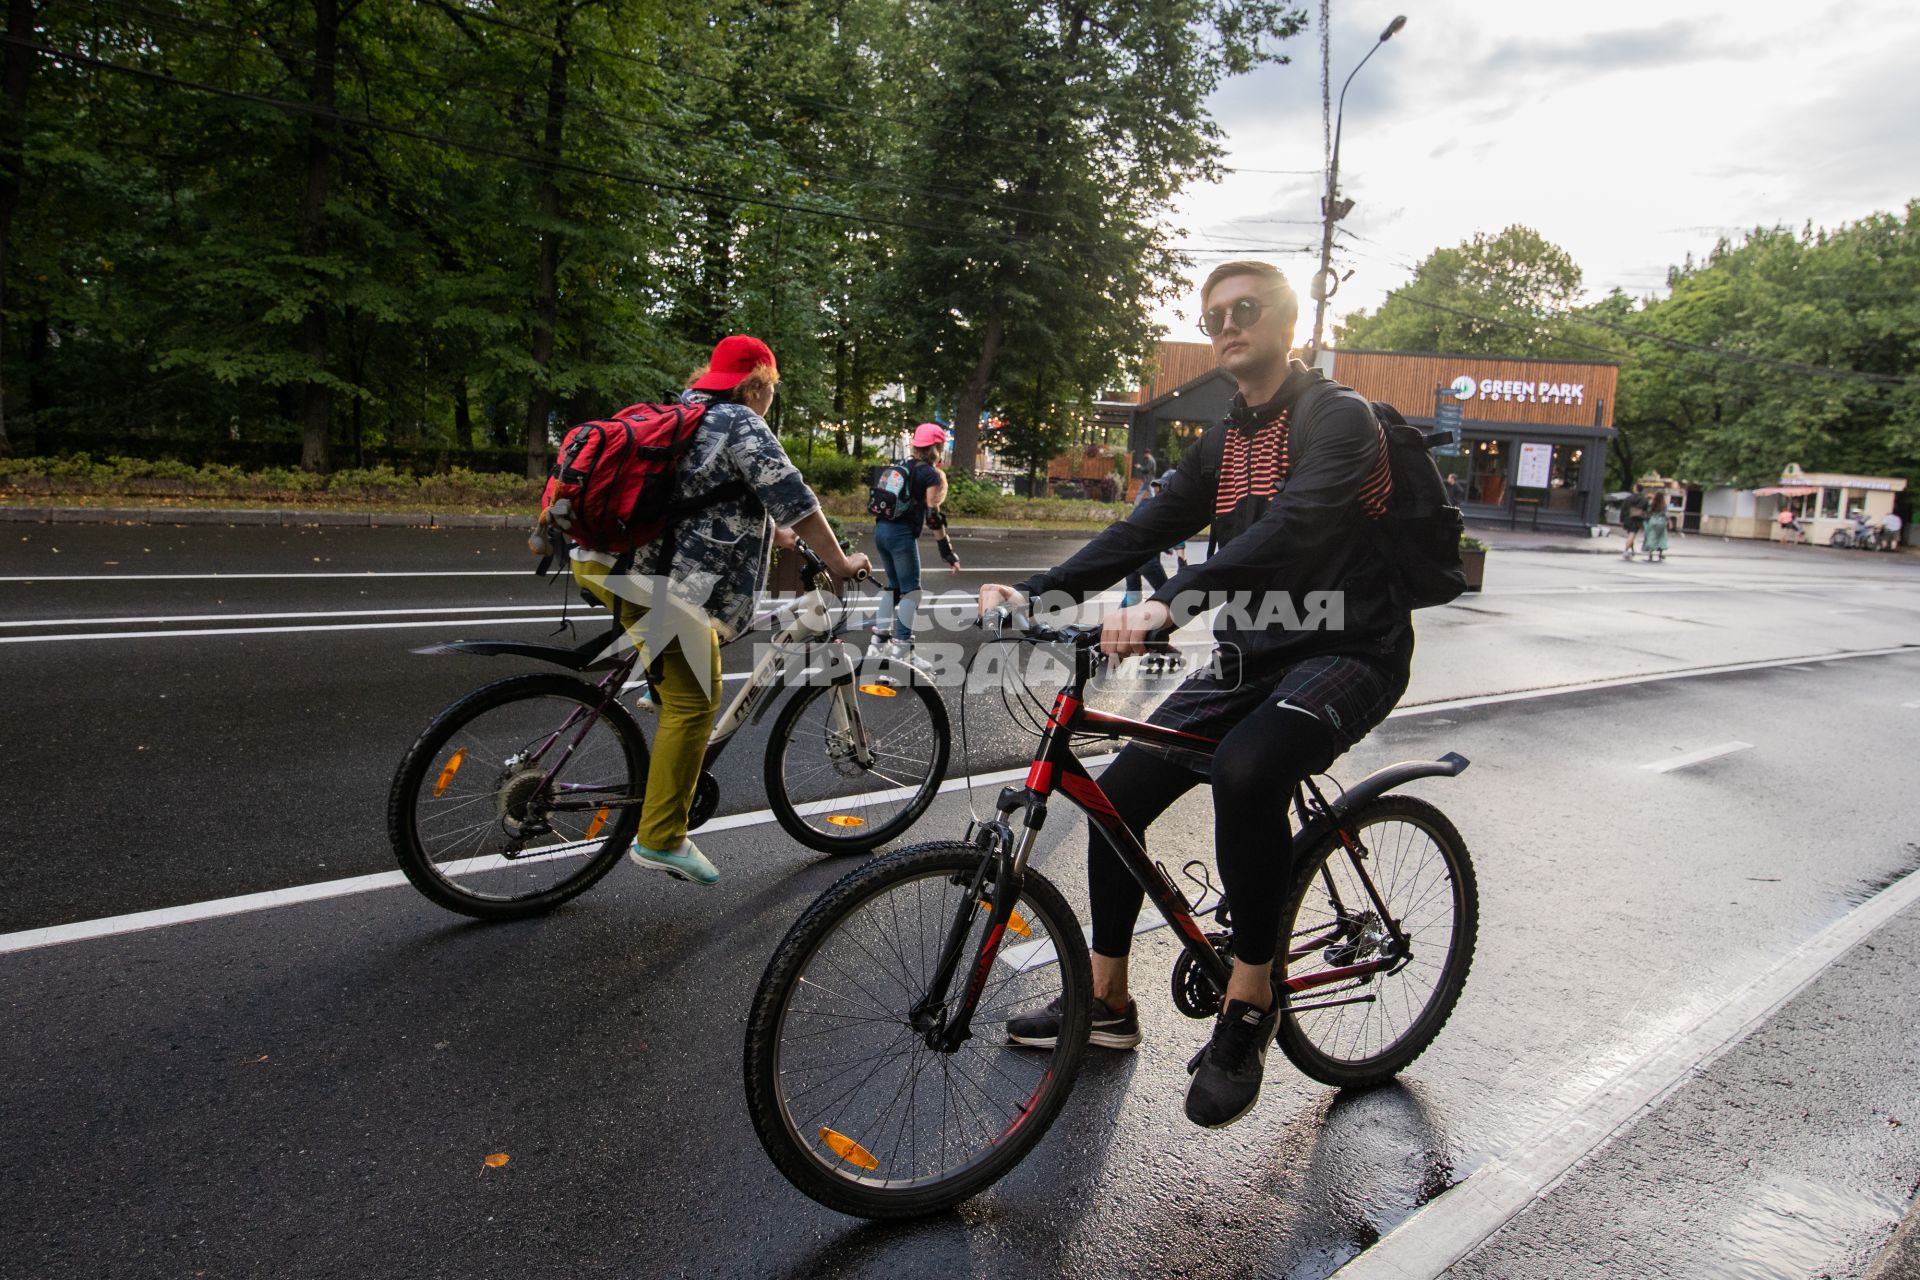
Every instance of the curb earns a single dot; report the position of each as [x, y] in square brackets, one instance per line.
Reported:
[1900, 1259]
[366, 519]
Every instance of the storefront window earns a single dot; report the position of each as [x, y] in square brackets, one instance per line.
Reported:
[1563, 488]
[1830, 504]
[1487, 481]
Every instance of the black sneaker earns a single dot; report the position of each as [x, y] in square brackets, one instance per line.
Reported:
[1040, 1029]
[1227, 1072]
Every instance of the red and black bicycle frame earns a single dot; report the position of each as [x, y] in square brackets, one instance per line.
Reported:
[1055, 769]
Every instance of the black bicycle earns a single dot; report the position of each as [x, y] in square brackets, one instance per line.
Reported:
[877, 1070]
[526, 791]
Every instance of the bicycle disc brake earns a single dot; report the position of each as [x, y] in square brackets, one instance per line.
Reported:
[1193, 991]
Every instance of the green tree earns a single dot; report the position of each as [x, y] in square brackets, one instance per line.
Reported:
[1049, 137]
[1492, 295]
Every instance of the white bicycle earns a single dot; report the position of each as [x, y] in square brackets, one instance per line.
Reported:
[526, 791]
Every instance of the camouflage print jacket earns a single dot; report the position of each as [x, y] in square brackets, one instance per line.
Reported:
[720, 552]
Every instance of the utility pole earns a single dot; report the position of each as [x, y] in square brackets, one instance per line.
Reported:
[1332, 206]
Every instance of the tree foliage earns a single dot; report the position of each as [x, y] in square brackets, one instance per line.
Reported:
[1491, 295]
[344, 229]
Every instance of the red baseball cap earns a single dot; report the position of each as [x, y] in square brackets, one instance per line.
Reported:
[735, 358]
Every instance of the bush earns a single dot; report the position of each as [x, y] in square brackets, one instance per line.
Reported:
[1470, 543]
[967, 496]
[834, 472]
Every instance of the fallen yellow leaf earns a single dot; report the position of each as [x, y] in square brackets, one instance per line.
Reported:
[497, 1159]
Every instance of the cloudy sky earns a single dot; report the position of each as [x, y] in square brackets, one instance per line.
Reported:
[1629, 133]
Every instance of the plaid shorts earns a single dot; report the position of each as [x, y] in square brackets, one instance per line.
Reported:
[1350, 695]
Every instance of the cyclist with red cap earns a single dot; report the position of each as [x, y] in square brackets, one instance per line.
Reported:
[915, 489]
[744, 494]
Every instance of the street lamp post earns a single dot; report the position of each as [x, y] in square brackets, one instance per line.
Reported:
[1332, 207]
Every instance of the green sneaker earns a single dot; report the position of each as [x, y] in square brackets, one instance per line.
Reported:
[685, 863]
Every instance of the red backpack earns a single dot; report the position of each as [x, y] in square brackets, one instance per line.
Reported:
[617, 475]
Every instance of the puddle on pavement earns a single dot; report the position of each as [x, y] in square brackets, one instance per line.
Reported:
[1909, 863]
[1795, 1227]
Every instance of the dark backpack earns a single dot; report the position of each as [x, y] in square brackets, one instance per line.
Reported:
[891, 497]
[1420, 536]
[617, 474]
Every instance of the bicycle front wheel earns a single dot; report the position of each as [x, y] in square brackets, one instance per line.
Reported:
[1364, 1031]
[848, 1098]
[518, 796]
[852, 766]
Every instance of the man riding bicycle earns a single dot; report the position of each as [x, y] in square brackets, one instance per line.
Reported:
[1315, 646]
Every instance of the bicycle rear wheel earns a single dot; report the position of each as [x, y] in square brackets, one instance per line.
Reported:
[1368, 1029]
[829, 793]
[848, 1099]
[518, 796]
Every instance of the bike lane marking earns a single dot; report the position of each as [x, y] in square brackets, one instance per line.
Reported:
[1458, 1221]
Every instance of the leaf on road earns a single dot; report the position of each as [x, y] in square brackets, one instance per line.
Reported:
[495, 1160]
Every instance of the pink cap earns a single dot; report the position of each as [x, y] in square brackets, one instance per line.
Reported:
[929, 433]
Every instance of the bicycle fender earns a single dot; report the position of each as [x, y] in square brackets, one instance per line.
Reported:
[1379, 783]
[573, 658]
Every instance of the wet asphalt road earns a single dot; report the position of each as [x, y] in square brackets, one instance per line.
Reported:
[311, 1090]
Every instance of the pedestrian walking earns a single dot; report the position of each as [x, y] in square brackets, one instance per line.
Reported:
[1633, 514]
[1890, 527]
[1456, 492]
[903, 494]
[1150, 569]
[740, 493]
[1653, 530]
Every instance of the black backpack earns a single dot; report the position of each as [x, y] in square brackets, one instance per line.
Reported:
[1420, 536]
[891, 497]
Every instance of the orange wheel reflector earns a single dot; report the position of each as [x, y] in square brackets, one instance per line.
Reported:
[599, 821]
[849, 1150]
[1015, 922]
[845, 820]
[879, 691]
[446, 775]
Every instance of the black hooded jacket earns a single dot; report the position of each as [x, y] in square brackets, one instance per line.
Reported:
[1314, 534]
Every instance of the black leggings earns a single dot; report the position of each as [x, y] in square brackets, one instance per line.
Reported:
[1253, 776]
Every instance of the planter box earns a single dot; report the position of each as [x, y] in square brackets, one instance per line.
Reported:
[1475, 564]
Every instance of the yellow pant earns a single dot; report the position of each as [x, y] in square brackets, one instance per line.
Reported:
[685, 713]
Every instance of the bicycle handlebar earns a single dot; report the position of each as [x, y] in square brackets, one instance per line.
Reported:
[1085, 635]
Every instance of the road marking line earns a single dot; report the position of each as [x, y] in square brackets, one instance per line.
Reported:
[1623, 682]
[1701, 756]
[1457, 1222]
[108, 926]
[262, 617]
[235, 577]
[271, 631]
[356, 573]
[164, 917]
[1910, 705]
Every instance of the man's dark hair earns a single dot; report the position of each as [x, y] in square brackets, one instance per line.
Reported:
[1286, 304]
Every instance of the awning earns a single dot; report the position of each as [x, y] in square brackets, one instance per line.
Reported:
[1788, 491]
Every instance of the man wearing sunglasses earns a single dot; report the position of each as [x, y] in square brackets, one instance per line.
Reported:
[1315, 646]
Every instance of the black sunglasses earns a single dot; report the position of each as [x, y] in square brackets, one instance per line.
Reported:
[1245, 313]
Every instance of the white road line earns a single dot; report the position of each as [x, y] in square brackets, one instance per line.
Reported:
[1910, 705]
[273, 631]
[1622, 682]
[109, 926]
[361, 573]
[1701, 756]
[141, 921]
[263, 617]
[235, 577]
[1459, 1221]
